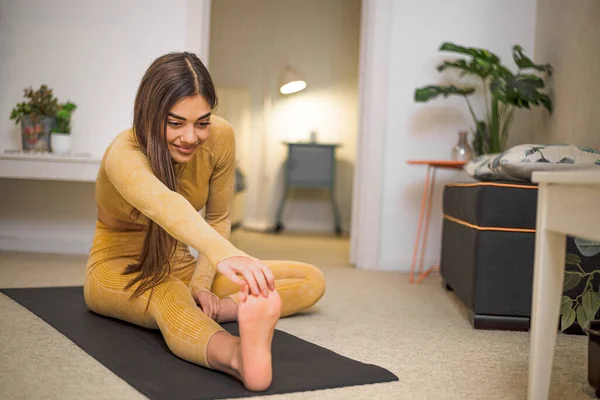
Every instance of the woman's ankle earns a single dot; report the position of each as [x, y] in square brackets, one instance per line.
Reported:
[224, 354]
[236, 359]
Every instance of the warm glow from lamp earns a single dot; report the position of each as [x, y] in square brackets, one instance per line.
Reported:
[292, 87]
[291, 82]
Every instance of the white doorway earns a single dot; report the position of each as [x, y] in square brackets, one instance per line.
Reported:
[263, 134]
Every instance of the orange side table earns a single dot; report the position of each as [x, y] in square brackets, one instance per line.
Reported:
[432, 166]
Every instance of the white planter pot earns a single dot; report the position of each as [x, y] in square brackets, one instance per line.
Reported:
[60, 143]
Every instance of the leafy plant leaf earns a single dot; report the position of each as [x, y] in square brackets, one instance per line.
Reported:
[566, 160]
[474, 67]
[590, 303]
[520, 90]
[40, 102]
[480, 138]
[565, 305]
[546, 102]
[572, 259]
[481, 54]
[524, 62]
[567, 319]
[595, 303]
[572, 279]
[582, 317]
[589, 150]
[431, 92]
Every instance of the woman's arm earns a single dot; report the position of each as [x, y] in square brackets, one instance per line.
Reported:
[218, 206]
[130, 172]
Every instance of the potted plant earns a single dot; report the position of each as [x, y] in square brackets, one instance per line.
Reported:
[37, 117]
[581, 300]
[503, 91]
[60, 138]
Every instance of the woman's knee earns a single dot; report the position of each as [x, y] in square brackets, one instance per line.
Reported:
[316, 282]
[306, 286]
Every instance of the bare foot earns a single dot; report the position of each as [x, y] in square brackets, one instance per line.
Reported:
[257, 317]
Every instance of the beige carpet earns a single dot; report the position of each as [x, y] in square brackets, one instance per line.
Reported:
[420, 333]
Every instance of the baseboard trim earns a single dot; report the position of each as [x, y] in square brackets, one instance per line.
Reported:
[263, 226]
[404, 264]
[499, 322]
[255, 225]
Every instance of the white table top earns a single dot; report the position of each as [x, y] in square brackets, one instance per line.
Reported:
[574, 177]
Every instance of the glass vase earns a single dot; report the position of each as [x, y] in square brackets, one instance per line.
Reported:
[462, 151]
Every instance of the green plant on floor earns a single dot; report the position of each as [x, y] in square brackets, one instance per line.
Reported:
[63, 118]
[503, 91]
[584, 306]
[38, 104]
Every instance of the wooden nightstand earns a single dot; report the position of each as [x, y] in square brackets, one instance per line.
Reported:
[310, 166]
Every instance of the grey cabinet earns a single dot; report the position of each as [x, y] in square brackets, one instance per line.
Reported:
[310, 165]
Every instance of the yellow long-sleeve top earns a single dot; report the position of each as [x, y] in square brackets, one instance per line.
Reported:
[126, 181]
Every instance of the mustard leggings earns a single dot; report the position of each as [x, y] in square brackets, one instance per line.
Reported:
[172, 309]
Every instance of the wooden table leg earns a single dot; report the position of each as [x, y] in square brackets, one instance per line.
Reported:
[424, 217]
[427, 219]
[548, 278]
[421, 215]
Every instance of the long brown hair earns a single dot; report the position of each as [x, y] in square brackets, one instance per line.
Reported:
[169, 79]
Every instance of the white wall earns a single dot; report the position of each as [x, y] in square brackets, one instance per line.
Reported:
[428, 131]
[567, 37]
[93, 53]
[251, 42]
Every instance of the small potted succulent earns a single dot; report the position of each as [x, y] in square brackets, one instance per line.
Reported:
[37, 117]
[60, 138]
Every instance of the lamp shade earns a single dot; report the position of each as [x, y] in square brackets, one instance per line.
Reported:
[291, 81]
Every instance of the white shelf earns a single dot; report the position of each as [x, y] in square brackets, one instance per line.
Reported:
[46, 166]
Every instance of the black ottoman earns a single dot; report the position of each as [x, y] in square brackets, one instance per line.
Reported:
[488, 242]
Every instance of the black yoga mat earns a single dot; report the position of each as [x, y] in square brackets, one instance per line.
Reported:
[141, 357]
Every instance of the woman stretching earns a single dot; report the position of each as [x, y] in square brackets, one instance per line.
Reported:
[154, 179]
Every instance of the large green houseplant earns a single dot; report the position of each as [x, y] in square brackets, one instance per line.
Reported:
[503, 91]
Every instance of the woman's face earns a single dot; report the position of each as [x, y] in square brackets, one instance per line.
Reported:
[187, 127]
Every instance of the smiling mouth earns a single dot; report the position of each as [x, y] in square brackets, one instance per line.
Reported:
[185, 149]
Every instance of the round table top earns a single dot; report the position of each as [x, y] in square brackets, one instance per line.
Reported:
[439, 163]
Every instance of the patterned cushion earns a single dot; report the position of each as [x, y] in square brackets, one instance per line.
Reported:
[519, 162]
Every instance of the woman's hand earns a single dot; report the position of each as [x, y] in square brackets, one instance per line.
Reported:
[256, 275]
[209, 303]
